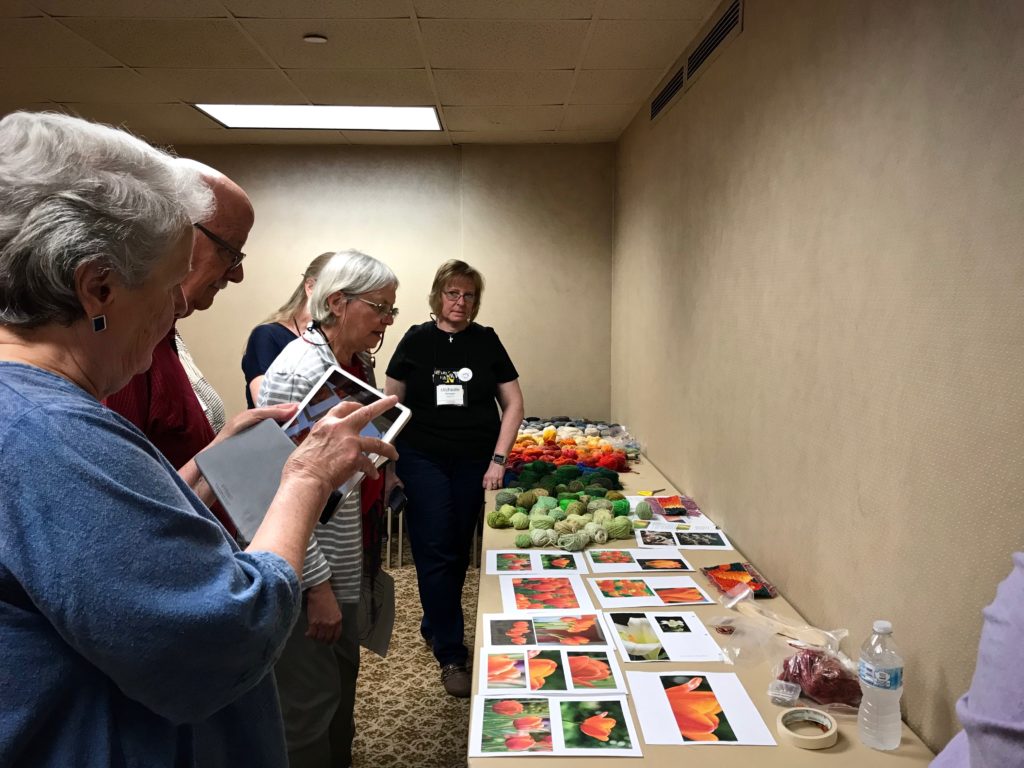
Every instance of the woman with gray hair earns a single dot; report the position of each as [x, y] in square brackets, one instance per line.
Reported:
[351, 305]
[134, 631]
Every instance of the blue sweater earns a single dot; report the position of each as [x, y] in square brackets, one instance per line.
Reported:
[133, 632]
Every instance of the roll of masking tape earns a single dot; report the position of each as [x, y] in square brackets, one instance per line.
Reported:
[807, 728]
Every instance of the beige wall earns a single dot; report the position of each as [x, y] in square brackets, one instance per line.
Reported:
[535, 220]
[818, 313]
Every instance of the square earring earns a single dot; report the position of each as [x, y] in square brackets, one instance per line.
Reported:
[99, 323]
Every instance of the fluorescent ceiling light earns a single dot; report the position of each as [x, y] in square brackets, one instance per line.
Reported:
[323, 117]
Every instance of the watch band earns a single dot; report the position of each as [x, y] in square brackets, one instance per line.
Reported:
[499, 459]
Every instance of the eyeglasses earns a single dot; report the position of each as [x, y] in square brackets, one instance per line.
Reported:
[382, 309]
[234, 254]
[454, 296]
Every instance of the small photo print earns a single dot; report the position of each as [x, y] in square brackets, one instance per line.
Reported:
[656, 538]
[569, 630]
[517, 632]
[624, 588]
[558, 562]
[506, 670]
[696, 709]
[679, 595]
[595, 725]
[516, 726]
[612, 556]
[663, 564]
[638, 637]
[672, 624]
[513, 561]
[703, 539]
[546, 672]
[591, 669]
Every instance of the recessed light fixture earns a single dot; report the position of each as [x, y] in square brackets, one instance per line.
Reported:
[313, 38]
[317, 117]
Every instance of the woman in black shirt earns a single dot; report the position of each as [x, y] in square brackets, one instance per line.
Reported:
[454, 375]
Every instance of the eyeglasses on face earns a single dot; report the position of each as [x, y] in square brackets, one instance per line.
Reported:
[234, 255]
[384, 310]
[454, 296]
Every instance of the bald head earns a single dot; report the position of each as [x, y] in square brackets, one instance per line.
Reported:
[211, 261]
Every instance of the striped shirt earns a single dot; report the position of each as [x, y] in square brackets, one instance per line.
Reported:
[335, 549]
[207, 396]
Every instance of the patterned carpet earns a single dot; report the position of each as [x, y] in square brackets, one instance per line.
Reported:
[404, 718]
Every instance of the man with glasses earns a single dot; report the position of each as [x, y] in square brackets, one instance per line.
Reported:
[172, 402]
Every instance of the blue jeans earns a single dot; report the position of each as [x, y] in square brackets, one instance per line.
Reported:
[445, 498]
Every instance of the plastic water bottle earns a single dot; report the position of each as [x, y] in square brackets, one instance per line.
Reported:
[881, 683]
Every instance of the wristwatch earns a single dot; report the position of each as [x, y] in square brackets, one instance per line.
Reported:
[499, 459]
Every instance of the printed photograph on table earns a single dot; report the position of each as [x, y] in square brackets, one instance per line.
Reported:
[665, 519]
[543, 593]
[637, 591]
[702, 540]
[545, 630]
[658, 539]
[506, 726]
[630, 561]
[544, 672]
[696, 708]
[525, 562]
[664, 636]
[726, 576]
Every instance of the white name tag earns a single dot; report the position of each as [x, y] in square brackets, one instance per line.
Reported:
[451, 394]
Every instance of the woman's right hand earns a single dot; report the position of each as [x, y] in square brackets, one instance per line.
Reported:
[334, 450]
[323, 615]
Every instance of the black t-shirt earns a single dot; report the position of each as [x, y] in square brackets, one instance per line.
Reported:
[427, 356]
[265, 344]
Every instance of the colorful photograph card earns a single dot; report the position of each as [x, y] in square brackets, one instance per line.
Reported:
[663, 636]
[553, 630]
[510, 561]
[702, 540]
[633, 560]
[660, 525]
[539, 671]
[543, 593]
[513, 725]
[637, 591]
[692, 517]
[696, 708]
[727, 576]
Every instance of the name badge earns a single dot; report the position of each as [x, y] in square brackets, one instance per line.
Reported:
[451, 394]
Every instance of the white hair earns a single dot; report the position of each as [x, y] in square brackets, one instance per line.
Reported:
[74, 192]
[349, 272]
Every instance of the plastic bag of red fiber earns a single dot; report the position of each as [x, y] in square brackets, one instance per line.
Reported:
[823, 677]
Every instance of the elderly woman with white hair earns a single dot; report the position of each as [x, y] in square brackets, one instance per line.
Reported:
[134, 631]
[351, 305]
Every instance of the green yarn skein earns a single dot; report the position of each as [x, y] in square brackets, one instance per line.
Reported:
[523, 541]
[542, 522]
[520, 521]
[573, 542]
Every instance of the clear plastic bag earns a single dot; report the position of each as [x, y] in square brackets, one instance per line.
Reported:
[825, 677]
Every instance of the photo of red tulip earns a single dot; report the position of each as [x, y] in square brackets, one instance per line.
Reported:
[545, 670]
[558, 562]
[516, 725]
[513, 561]
[696, 709]
[594, 725]
[680, 595]
[663, 564]
[543, 593]
[506, 670]
[590, 669]
[624, 588]
[612, 556]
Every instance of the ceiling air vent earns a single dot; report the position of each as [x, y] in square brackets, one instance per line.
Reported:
[723, 25]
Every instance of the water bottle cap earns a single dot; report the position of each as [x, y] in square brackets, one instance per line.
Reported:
[882, 627]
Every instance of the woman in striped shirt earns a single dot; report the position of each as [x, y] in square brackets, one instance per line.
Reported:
[352, 305]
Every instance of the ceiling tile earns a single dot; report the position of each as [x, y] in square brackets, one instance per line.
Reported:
[355, 44]
[156, 123]
[460, 44]
[46, 43]
[695, 10]
[503, 9]
[598, 117]
[94, 84]
[399, 138]
[502, 87]
[533, 137]
[173, 43]
[134, 9]
[614, 86]
[629, 44]
[380, 87]
[226, 86]
[13, 9]
[502, 118]
[320, 9]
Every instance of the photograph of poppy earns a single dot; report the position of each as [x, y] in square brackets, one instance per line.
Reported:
[696, 709]
[596, 725]
[638, 638]
[655, 538]
[664, 564]
[580, 630]
[557, 562]
[543, 593]
[516, 725]
[624, 588]
[611, 556]
[703, 539]
[506, 670]
[671, 624]
[513, 561]
[546, 671]
[517, 632]
[590, 669]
